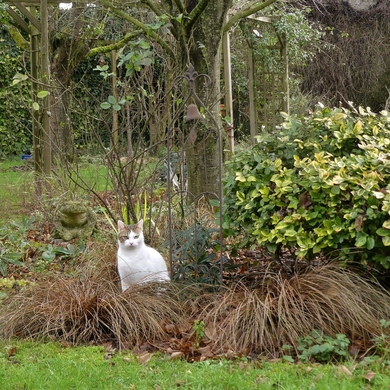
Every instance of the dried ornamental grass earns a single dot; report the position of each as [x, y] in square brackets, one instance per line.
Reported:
[82, 311]
[282, 310]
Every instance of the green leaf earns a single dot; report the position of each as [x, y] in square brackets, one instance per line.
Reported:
[294, 203]
[288, 359]
[337, 180]
[146, 61]
[111, 99]
[361, 241]
[240, 177]
[335, 190]
[42, 94]
[35, 106]
[383, 232]
[290, 233]
[144, 45]
[241, 196]
[370, 243]
[48, 256]
[12, 258]
[101, 68]
[105, 105]
[18, 78]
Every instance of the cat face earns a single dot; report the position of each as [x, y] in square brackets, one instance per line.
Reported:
[130, 235]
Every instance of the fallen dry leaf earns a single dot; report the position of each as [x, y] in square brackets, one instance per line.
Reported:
[176, 355]
[145, 357]
[206, 353]
[344, 370]
[230, 354]
[12, 351]
[369, 376]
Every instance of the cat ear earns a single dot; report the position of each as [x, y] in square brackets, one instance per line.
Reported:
[121, 225]
[140, 223]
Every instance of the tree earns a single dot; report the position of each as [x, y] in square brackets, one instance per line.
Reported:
[69, 45]
[193, 34]
[196, 30]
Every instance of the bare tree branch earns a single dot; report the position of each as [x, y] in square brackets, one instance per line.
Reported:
[179, 5]
[152, 6]
[246, 11]
[114, 46]
[194, 15]
[163, 43]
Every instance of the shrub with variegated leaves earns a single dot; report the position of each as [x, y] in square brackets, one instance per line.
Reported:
[319, 184]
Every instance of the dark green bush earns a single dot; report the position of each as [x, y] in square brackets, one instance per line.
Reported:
[195, 255]
[318, 185]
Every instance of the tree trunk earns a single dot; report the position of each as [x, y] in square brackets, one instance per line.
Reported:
[67, 51]
[202, 153]
[60, 122]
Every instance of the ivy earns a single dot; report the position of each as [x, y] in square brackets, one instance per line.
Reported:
[15, 122]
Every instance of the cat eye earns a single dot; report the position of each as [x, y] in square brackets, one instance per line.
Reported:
[136, 236]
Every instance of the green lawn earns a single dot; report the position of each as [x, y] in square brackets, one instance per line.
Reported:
[16, 189]
[34, 365]
[17, 185]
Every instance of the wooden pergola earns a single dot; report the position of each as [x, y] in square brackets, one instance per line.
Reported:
[271, 90]
[40, 74]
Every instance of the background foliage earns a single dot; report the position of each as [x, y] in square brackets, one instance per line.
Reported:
[15, 121]
[357, 67]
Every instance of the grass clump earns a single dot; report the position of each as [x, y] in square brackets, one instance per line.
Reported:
[282, 310]
[90, 309]
[16, 188]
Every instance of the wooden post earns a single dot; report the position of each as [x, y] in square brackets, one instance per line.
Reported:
[115, 138]
[286, 100]
[228, 90]
[36, 126]
[252, 95]
[45, 80]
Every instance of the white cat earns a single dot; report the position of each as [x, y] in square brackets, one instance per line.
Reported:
[137, 262]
